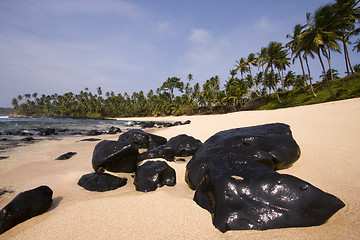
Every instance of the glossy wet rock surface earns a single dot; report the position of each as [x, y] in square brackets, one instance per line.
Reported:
[234, 175]
[154, 174]
[24, 206]
[115, 156]
[101, 182]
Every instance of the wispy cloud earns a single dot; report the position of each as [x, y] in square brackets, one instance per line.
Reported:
[200, 36]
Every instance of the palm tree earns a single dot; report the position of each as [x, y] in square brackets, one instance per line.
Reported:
[276, 58]
[346, 12]
[321, 36]
[296, 47]
[328, 73]
[172, 83]
[242, 66]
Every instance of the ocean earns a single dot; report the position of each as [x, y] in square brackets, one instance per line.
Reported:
[21, 131]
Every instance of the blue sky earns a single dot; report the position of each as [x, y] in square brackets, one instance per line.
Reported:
[50, 46]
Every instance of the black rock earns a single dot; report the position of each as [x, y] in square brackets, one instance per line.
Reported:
[94, 133]
[66, 156]
[186, 122]
[3, 139]
[158, 152]
[235, 180]
[90, 140]
[147, 124]
[46, 131]
[142, 139]
[184, 145]
[271, 145]
[3, 157]
[24, 206]
[270, 201]
[114, 130]
[153, 174]
[27, 139]
[115, 156]
[101, 182]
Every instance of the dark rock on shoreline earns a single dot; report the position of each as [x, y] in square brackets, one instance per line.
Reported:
[271, 145]
[270, 201]
[94, 133]
[90, 140]
[101, 182]
[3, 157]
[24, 206]
[235, 180]
[141, 139]
[66, 156]
[115, 156]
[153, 174]
[184, 145]
[27, 139]
[46, 131]
[114, 130]
[158, 152]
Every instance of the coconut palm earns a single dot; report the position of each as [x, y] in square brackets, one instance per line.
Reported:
[242, 66]
[276, 58]
[346, 13]
[321, 37]
[297, 49]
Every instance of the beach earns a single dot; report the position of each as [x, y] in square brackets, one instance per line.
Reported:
[328, 135]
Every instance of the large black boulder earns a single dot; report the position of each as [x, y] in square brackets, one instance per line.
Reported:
[184, 145]
[158, 152]
[142, 139]
[115, 156]
[235, 180]
[270, 201]
[153, 174]
[101, 182]
[269, 144]
[24, 206]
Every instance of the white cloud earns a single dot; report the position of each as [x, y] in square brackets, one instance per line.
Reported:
[265, 24]
[200, 36]
[163, 26]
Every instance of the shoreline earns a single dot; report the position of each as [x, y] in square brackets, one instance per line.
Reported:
[328, 135]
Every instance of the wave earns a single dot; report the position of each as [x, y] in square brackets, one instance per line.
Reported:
[4, 116]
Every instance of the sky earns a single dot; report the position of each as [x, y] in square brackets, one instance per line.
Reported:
[51, 46]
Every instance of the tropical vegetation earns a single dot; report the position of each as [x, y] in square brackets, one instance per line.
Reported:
[255, 77]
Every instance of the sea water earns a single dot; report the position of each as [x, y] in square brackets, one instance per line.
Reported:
[14, 130]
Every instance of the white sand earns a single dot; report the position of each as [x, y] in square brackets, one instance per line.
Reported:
[328, 135]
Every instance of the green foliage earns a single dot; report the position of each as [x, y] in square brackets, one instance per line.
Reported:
[348, 87]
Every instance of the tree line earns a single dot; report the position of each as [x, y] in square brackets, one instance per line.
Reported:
[326, 30]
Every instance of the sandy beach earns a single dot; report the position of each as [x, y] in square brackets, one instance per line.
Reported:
[328, 135]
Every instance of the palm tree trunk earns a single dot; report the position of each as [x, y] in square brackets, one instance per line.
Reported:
[310, 81]
[346, 59]
[326, 78]
[303, 70]
[346, 50]
[276, 89]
